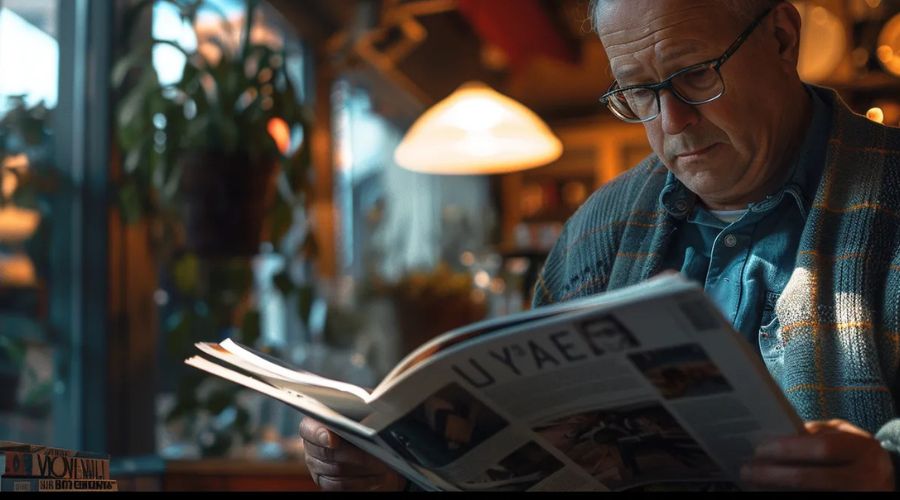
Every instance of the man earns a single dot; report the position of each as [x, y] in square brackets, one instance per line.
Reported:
[771, 193]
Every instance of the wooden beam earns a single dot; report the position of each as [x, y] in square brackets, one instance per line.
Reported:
[322, 209]
[134, 326]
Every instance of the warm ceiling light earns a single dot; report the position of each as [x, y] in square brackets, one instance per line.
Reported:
[477, 131]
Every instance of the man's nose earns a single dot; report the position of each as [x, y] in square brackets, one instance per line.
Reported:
[676, 115]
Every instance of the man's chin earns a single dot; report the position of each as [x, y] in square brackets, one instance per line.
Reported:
[706, 185]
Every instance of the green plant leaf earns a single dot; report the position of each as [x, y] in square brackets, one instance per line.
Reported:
[170, 189]
[14, 349]
[186, 273]
[221, 121]
[137, 57]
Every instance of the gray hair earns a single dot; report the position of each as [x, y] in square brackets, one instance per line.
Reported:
[744, 10]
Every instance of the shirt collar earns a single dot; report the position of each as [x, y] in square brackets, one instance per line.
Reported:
[675, 198]
[806, 171]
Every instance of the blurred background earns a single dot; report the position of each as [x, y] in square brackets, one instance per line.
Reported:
[176, 171]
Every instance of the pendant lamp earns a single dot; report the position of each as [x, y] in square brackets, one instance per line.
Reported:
[477, 131]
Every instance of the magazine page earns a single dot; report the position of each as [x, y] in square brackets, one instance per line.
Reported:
[642, 388]
[352, 400]
[474, 331]
[346, 399]
[341, 396]
[282, 369]
[358, 434]
[641, 393]
[302, 402]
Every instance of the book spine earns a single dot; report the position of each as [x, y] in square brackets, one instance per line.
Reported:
[20, 464]
[6, 446]
[44, 484]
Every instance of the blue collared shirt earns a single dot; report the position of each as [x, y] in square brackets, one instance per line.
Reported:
[745, 265]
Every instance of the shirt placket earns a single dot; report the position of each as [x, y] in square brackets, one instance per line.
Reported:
[728, 257]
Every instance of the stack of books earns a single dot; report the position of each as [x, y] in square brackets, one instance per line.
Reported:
[28, 467]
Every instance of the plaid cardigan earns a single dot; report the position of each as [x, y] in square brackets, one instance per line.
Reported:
[836, 347]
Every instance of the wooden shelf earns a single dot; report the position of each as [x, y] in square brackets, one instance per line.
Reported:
[596, 151]
[867, 83]
[157, 474]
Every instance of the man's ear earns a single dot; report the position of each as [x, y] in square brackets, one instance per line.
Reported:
[787, 23]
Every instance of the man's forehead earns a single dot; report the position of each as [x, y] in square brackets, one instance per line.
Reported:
[671, 54]
[636, 32]
[629, 21]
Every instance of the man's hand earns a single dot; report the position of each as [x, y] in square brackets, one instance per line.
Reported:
[834, 456]
[336, 465]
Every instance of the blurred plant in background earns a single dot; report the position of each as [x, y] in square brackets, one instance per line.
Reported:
[27, 179]
[428, 303]
[217, 163]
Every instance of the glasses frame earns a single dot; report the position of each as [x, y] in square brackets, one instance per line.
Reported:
[715, 64]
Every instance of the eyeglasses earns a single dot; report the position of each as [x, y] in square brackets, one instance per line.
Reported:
[697, 84]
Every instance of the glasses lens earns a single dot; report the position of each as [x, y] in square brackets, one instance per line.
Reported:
[634, 104]
[699, 85]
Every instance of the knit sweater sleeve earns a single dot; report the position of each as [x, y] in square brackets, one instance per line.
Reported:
[552, 273]
[564, 267]
[581, 259]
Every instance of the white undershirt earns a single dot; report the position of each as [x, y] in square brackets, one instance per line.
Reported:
[728, 216]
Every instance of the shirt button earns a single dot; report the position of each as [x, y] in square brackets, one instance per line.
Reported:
[731, 241]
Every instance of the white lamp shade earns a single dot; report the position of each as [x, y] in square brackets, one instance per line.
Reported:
[476, 131]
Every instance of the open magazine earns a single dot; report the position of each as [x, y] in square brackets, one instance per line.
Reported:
[643, 387]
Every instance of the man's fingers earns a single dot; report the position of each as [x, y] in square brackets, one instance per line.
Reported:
[786, 477]
[835, 478]
[370, 483]
[313, 450]
[835, 455]
[836, 425]
[346, 453]
[344, 469]
[314, 431]
[336, 465]
[822, 448]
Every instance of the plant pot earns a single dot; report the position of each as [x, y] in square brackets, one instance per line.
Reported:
[225, 198]
[422, 318]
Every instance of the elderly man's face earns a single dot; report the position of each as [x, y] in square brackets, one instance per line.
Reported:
[722, 150]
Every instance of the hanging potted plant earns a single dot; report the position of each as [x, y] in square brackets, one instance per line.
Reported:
[207, 151]
[216, 162]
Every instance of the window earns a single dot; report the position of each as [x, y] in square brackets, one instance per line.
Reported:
[52, 333]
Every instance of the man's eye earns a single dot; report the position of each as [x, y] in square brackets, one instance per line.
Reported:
[641, 96]
[702, 78]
